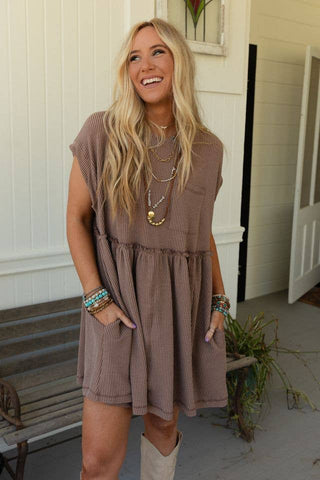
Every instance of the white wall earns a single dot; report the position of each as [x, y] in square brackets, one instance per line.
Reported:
[56, 70]
[281, 29]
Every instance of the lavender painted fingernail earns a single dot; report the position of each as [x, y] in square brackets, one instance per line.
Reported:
[135, 326]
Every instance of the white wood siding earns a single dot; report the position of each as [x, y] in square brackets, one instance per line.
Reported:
[56, 69]
[281, 29]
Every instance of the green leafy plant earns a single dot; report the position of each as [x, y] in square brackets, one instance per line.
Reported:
[249, 340]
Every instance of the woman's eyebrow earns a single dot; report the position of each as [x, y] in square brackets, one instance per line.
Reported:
[153, 46]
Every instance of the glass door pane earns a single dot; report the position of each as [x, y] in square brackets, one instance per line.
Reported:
[310, 133]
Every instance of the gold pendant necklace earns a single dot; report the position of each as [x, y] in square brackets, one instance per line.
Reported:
[150, 213]
[166, 159]
[163, 127]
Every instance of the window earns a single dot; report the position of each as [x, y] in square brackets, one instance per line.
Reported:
[201, 21]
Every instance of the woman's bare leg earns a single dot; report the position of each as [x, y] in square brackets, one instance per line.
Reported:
[161, 433]
[105, 430]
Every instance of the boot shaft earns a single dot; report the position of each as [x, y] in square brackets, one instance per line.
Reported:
[154, 465]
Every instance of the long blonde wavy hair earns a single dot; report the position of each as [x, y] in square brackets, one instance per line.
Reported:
[129, 133]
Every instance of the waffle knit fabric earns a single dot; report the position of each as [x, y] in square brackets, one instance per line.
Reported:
[161, 277]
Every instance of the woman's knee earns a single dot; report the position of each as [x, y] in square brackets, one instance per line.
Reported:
[165, 427]
[105, 431]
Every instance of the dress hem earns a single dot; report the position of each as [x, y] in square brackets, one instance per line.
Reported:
[126, 401]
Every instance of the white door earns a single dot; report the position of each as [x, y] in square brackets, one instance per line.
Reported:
[305, 241]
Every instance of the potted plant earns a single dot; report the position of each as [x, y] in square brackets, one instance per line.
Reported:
[249, 340]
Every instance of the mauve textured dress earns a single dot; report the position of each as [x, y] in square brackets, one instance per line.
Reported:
[161, 277]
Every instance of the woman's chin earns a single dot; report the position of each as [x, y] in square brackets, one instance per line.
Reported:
[155, 99]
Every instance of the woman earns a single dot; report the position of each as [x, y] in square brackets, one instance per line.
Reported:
[142, 188]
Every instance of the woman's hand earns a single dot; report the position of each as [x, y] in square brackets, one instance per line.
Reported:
[217, 321]
[111, 313]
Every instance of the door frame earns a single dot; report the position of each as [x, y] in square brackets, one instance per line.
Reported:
[246, 172]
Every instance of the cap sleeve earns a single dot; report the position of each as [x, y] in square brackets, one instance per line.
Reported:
[84, 147]
[219, 180]
[219, 159]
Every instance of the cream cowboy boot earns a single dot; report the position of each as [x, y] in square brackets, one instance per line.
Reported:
[154, 465]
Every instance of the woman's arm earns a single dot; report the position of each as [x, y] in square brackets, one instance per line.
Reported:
[217, 318]
[80, 239]
[79, 230]
[217, 283]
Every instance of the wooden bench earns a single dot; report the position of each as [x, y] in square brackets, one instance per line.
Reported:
[38, 360]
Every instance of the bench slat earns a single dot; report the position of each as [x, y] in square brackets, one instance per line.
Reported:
[40, 358]
[51, 400]
[34, 414]
[42, 375]
[46, 390]
[242, 362]
[44, 308]
[36, 325]
[43, 416]
[7, 429]
[37, 341]
[49, 426]
[231, 357]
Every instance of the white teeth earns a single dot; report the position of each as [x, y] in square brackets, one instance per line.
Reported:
[150, 80]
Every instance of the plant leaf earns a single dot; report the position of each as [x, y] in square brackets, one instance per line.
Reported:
[195, 7]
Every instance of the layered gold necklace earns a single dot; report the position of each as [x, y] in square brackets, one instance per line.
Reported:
[148, 205]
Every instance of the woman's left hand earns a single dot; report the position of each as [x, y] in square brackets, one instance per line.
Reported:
[217, 321]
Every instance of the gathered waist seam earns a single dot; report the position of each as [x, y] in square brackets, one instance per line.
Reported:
[152, 250]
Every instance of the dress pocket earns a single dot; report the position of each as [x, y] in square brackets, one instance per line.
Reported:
[186, 209]
[114, 379]
[107, 357]
[218, 338]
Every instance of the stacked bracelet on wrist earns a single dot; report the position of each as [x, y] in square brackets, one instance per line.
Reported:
[221, 303]
[97, 299]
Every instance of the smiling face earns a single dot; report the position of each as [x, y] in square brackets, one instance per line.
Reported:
[151, 67]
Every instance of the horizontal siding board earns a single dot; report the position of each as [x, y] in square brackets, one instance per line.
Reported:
[279, 94]
[291, 11]
[277, 72]
[268, 272]
[264, 288]
[274, 154]
[273, 175]
[281, 30]
[275, 114]
[271, 195]
[268, 253]
[276, 134]
[269, 234]
[270, 215]
[285, 52]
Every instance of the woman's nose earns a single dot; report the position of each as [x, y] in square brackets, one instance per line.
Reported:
[146, 64]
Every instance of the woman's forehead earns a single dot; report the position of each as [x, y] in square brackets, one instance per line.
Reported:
[146, 35]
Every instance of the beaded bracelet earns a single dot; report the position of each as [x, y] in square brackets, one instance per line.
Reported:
[218, 297]
[97, 299]
[220, 303]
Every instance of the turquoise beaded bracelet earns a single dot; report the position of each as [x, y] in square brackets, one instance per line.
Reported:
[95, 297]
[221, 303]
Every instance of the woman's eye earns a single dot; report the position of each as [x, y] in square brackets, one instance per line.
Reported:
[155, 51]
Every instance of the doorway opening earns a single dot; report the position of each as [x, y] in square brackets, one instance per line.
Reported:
[246, 173]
